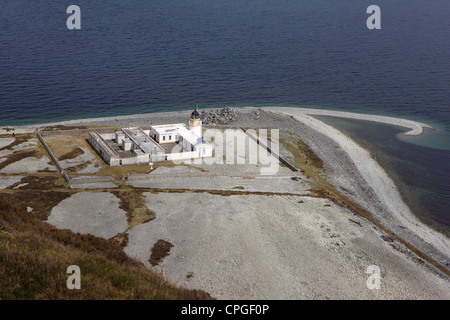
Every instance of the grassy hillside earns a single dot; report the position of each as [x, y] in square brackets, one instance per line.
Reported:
[34, 257]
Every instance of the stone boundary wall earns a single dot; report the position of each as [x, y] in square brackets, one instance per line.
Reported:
[85, 179]
[287, 164]
[75, 131]
[65, 176]
[90, 179]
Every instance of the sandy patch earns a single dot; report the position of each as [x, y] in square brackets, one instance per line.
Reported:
[95, 213]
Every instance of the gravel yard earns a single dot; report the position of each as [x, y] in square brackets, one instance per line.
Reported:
[274, 247]
[274, 184]
[95, 213]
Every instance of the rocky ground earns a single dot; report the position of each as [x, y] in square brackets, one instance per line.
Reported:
[275, 247]
[234, 233]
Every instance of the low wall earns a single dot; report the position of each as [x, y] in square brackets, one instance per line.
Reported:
[182, 155]
[65, 176]
[75, 131]
[91, 179]
[287, 164]
[108, 136]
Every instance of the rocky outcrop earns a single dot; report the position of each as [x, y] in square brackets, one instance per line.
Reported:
[218, 116]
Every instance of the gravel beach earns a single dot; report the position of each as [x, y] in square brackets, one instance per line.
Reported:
[259, 247]
[380, 196]
[278, 246]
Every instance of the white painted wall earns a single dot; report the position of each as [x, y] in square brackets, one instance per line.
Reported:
[182, 155]
[108, 136]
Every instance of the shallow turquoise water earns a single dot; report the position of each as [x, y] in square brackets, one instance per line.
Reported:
[421, 173]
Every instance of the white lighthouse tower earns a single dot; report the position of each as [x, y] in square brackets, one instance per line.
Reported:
[195, 124]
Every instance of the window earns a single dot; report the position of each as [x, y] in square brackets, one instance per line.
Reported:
[164, 138]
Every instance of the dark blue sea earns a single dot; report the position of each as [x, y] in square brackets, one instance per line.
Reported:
[141, 56]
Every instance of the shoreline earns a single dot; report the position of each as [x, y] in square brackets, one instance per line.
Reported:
[415, 127]
[367, 185]
[394, 212]
[109, 119]
[383, 147]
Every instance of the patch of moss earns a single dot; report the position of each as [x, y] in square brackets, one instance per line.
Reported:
[159, 251]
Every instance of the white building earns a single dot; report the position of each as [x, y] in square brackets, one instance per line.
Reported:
[189, 138]
[162, 142]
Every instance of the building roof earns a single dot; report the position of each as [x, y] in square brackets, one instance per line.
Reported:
[195, 114]
[146, 144]
[180, 129]
[168, 128]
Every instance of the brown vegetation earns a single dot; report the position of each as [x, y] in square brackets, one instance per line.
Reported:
[71, 154]
[19, 139]
[67, 146]
[41, 182]
[60, 127]
[16, 156]
[132, 202]
[159, 251]
[34, 260]
[41, 202]
[304, 156]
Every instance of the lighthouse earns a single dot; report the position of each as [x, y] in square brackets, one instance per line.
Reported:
[195, 124]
